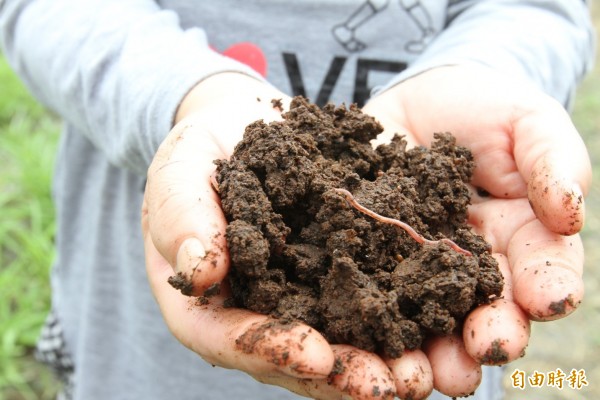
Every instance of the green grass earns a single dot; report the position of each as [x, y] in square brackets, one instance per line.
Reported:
[28, 138]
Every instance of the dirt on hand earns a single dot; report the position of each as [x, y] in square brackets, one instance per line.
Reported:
[301, 251]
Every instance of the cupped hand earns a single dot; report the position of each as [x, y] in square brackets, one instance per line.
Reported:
[183, 228]
[532, 174]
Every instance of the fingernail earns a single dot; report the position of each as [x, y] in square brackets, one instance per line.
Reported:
[190, 253]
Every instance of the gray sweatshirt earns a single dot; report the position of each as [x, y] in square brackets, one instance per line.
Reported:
[116, 70]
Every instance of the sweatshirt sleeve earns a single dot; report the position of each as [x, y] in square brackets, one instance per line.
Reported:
[549, 43]
[115, 70]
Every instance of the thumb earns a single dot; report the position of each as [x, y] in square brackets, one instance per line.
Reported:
[181, 211]
[554, 161]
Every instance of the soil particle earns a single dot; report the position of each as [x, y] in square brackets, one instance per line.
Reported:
[300, 251]
[376, 391]
[495, 354]
[560, 307]
[277, 104]
[338, 369]
[181, 282]
[212, 290]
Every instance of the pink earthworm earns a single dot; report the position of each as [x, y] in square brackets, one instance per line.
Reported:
[406, 227]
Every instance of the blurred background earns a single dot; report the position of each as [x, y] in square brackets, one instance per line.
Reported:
[28, 139]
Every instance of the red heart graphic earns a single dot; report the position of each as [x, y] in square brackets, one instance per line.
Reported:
[249, 54]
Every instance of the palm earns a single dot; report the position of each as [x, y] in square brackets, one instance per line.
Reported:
[531, 173]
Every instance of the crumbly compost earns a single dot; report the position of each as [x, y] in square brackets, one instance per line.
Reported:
[300, 251]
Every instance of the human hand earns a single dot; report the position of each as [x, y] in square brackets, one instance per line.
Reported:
[532, 172]
[183, 228]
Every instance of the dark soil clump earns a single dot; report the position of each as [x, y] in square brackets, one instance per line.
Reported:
[300, 251]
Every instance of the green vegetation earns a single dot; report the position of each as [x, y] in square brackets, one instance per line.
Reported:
[28, 138]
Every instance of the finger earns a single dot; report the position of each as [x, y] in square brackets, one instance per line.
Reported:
[455, 373]
[497, 220]
[361, 375]
[495, 169]
[185, 219]
[413, 375]
[497, 333]
[556, 197]
[184, 213]
[554, 161]
[236, 338]
[357, 375]
[547, 271]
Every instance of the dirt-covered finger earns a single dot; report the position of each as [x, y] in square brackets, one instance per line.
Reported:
[357, 375]
[360, 374]
[553, 160]
[184, 216]
[455, 372]
[412, 374]
[294, 348]
[547, 271]
[496, 333]
[556, 198]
